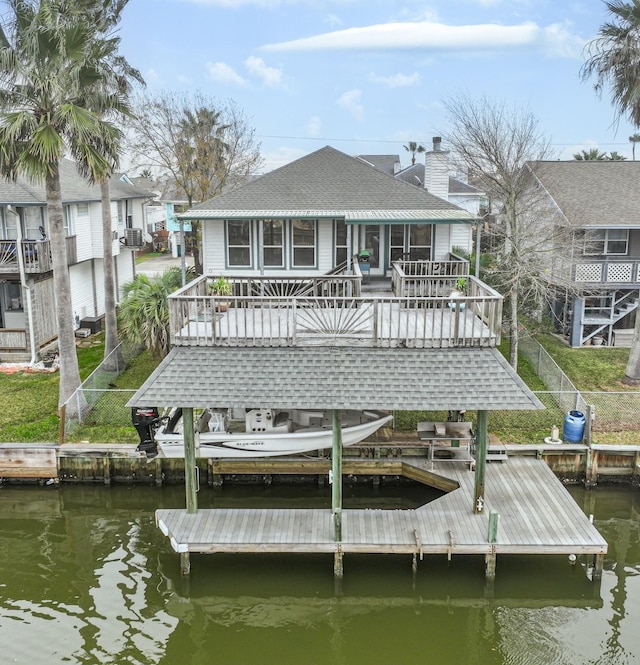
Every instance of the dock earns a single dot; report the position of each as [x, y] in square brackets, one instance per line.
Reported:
[528, 511]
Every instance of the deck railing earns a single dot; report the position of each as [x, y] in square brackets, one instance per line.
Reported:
[298, 318]
[426, 278]
[35, 253]
[608, 271]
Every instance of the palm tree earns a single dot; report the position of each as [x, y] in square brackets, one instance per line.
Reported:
[53, 68]
[590, 155]
[614, 57]
[634, 138]
[118, 76]
[614, 156]
[413, 147]
[144, 311]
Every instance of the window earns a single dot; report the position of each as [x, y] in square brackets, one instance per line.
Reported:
[32, 221]
[239, 243]
[303, 243]
[396, 242]
[419, 242]
[606, 242]
[68, 221]
[273, 243]
[340, 232]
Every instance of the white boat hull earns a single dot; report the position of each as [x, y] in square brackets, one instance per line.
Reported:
[266, 444]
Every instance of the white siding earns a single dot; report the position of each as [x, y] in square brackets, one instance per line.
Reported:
[442, 242]
[124, 271]
[82, 295]
[461, 236]
[325, 245]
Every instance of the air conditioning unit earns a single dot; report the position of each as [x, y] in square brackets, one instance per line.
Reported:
[133, 237]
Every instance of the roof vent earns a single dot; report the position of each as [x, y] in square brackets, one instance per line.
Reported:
[437, 141]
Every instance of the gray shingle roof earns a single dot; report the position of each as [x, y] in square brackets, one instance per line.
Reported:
[415, 175]
[326, 183]
[592, 193]
[73, 188]
[336, 378]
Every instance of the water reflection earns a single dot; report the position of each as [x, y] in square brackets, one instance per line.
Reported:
[86, 577]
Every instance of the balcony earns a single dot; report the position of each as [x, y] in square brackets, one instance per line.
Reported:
[36, 255]
[623, 272]
[321, 311]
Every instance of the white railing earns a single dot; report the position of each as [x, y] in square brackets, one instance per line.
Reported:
[608, 271]
[199, 319]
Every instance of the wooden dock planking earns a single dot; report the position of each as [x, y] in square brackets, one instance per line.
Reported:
[537, 516]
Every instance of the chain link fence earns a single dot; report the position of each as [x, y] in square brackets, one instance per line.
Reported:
[617, 414]
[97, 403]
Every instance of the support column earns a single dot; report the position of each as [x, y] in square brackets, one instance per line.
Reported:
[336, 472]
[481, 460]
[190, 470]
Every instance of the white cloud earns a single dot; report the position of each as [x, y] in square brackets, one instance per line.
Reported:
[220, 71]
[351, 102]
[270, 76]
[184, 79]
[397, 80]
[313, 126]
[152, 75]
[555, 40]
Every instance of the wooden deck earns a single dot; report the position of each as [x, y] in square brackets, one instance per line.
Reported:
[367, 322]
[537, 516]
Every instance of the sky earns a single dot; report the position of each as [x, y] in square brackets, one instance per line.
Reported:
[368, 76]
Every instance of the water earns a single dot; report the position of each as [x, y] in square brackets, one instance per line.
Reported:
[85, 577]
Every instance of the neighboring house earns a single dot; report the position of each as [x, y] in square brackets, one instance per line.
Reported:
[27, 313]
[596, 273]
[310, 216]
[389, 164]
[174, 200]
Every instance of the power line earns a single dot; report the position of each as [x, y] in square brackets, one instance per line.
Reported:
[396, 142]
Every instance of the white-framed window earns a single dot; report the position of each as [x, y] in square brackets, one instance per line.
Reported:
[273, 243]
[419, 236]
[340, 242]
[607, 242]
[69, 225]
[303, 243]
[32, 222]
[411, 241]
[238, 243]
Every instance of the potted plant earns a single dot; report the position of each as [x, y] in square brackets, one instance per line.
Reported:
[459, 290]
[221, 286]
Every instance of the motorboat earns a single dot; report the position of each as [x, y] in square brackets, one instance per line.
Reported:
[233, 433]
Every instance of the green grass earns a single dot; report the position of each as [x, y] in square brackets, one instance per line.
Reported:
[590, 368]
[30, 399]
[30, 402]
[141, 258]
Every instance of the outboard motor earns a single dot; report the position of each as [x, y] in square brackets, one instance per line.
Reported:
[146, 421]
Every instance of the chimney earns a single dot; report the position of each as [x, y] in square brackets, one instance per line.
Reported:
[436, 170]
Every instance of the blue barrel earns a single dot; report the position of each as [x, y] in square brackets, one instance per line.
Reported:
[574, 427]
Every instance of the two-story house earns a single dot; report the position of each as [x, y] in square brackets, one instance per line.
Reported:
[27, 314]
[596, 270]
[303, 328]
